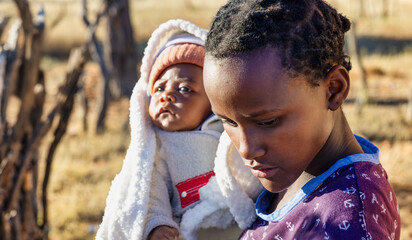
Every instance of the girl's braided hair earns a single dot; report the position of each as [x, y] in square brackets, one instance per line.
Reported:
[309, 33]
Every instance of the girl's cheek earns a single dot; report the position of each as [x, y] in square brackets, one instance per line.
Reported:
[232, 135]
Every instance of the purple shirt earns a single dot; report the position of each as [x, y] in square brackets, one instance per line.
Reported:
[351, 200]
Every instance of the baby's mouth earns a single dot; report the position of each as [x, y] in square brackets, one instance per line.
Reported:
[165, 110]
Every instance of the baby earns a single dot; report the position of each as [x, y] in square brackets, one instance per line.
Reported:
[167, 186]
[184, 159]
[178, 99]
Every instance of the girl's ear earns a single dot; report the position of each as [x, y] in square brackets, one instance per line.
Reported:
[337, 80]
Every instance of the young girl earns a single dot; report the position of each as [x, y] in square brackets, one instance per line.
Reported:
[160, 192]
[276, 74]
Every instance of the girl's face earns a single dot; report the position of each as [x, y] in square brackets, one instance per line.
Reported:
[179, 101]
[277, 123]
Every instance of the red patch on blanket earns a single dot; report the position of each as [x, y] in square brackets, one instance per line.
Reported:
[189, 189]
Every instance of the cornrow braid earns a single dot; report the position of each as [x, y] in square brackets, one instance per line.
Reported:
[309, 33]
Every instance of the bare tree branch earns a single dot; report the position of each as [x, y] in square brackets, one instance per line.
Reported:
[97, 55]
[77, 60]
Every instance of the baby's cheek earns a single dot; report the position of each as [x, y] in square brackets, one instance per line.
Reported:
[152, 111]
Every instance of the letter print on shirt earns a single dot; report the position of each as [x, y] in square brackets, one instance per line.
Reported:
[362, 195]
[349, 176]
[383, 209]
[348, 203]
[277, 237]
[350, 190]
[290, 226]
[374, 199]
[366, 176]
[316, 207]
[344, 225]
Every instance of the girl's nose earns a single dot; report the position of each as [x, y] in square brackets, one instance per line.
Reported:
[167, 97]
[250, 147]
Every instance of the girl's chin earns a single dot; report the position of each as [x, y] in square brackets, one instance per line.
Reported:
[274, 187]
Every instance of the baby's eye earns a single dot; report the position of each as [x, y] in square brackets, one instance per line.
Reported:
[269, 123]
[160, 89]
[184, 89]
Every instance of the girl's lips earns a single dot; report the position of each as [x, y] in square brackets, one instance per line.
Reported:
[264, 173]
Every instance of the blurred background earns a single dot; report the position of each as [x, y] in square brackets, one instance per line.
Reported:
[73, 159]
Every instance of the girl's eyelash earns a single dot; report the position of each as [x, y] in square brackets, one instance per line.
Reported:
[269, 123]
[229, 122]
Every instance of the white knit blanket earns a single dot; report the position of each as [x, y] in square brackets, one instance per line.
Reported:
[229, 194]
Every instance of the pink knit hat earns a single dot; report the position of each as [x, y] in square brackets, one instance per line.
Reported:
[175, 54]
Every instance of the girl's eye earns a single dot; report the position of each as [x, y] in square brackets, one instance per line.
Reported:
[229, 122]
[269, 123]
[185, 89]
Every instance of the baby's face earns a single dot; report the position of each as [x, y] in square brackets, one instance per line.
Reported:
[179, 101]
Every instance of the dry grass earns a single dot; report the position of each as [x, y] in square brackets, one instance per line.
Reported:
[84, 163]
[82, 172]
[84, 166]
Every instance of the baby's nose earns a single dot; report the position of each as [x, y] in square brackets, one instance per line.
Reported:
[167, 97]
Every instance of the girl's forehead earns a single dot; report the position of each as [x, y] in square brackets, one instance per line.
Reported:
[249, 59]
[231, 78]
[241, 67]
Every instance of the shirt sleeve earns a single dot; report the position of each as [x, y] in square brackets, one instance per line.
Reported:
[381, 212]
[159, 208]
